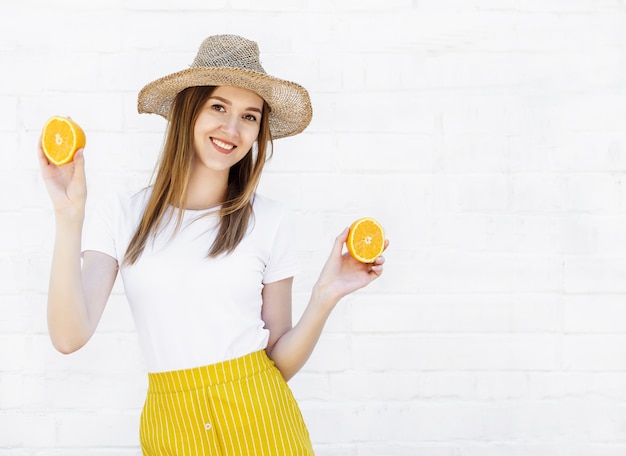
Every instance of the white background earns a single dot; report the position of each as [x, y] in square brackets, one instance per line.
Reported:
[489, 138]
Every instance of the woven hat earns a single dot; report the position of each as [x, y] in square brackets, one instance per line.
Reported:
[234, 61]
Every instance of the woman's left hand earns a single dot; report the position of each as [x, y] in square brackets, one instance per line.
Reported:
[342, 274]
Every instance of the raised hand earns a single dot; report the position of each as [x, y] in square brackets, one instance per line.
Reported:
[342, 274]
[66, 184]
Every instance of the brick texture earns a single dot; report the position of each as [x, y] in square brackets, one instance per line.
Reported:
[489, 138]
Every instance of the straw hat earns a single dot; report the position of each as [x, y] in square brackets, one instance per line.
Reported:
[233, 60]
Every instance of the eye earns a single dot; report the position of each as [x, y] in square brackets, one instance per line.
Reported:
[250, 117]
[218, 107]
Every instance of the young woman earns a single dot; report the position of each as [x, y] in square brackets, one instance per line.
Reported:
[207, 263]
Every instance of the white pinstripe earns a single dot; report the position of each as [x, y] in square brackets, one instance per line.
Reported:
[258, 418]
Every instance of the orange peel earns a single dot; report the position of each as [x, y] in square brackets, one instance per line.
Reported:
[61, 137]
[366, 240]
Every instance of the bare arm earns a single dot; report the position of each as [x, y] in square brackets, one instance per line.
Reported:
[77, 293]
[77, 296]
[290, 347]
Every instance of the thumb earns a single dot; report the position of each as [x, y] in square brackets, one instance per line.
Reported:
[339, 241]
[79, 164]
[79, 158]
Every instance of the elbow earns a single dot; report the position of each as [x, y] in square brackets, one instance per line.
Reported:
[284, 370]
[64, 349]
[66, 346]
[67, 338]
[287, 376]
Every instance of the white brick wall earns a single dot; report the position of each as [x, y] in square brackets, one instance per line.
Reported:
[489, 137]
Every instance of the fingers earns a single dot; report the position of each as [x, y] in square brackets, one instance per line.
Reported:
[377, 269]
[379, 261]
[339, 241]
[377, 265]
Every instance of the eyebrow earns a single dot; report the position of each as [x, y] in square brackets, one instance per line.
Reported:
[225, 101]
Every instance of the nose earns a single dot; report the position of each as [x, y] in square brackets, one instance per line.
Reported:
[230, 126]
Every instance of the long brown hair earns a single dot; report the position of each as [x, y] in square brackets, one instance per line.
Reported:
[172, 176]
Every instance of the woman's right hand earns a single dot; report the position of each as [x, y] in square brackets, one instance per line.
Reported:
[66, 184]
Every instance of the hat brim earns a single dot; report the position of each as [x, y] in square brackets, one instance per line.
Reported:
[290, 104]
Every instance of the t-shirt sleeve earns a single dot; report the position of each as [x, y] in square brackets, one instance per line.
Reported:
[99, 229]
[283, 259]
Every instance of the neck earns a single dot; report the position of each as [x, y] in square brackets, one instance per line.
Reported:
[206, 188]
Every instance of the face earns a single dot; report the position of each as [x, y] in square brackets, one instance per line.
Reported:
[227, 126]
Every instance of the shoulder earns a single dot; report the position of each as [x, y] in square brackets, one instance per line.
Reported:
[270, 212]
[136, 201]
[131, 201]
[122, 204]
[271, 216]
[263, 205]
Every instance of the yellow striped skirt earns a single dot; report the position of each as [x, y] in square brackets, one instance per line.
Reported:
[238, 407]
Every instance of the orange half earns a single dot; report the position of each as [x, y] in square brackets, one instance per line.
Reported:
[60, 139]
[366, 240]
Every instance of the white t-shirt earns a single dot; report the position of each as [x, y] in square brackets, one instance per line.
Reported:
[191, 310]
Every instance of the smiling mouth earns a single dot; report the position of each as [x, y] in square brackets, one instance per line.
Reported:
[222, 144]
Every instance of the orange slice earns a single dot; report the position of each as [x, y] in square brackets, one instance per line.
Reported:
[60, 139]
[366, 240]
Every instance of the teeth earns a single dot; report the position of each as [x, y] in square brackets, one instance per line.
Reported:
[223, 145]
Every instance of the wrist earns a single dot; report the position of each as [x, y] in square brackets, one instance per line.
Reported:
[323, 297]
[69, 218]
